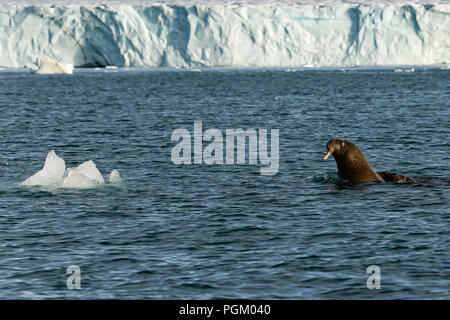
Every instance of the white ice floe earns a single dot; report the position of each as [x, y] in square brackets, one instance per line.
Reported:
[404, 70]
[55, 174]
[86, 175]
[50, 66]
[114, 177]
[78, 181]
[88, 169]
[51, 175]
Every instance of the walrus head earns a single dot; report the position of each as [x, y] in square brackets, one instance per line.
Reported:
[351, 162]
[334, 146]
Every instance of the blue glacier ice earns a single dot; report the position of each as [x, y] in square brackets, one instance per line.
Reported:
[225, 34]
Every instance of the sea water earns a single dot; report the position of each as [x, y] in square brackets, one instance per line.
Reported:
[225, 231]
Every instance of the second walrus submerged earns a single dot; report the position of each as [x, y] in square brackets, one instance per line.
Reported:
[354, 167]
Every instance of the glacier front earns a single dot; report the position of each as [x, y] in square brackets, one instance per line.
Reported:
[226, 35]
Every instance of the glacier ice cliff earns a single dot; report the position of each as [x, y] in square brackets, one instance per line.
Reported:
[213, 35]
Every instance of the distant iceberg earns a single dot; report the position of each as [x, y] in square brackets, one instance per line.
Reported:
[183, 34]
[50, 66]
[55, 175]
[404, 70]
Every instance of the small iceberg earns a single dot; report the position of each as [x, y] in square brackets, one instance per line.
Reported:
[86, 175]
[309, 65]
[55, 175]
[51, 175]
[114, 177]
[50, 66]
[292, 70]
[404, 70]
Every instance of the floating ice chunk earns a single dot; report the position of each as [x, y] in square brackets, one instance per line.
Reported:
[51, 174]
[114, 177]
[404, 70]
[55, 174]
[50, 66]
[88, 169]
[86, 175]
[78, 181]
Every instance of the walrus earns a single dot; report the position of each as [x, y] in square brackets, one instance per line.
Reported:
[354, 167]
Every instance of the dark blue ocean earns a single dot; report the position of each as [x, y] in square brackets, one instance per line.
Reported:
[225, 231]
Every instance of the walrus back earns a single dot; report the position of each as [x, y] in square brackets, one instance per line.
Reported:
[354, 167]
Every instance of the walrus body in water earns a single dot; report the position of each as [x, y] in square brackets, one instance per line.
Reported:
[354, 167]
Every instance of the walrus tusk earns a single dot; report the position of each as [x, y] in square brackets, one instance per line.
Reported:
[327, 155]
